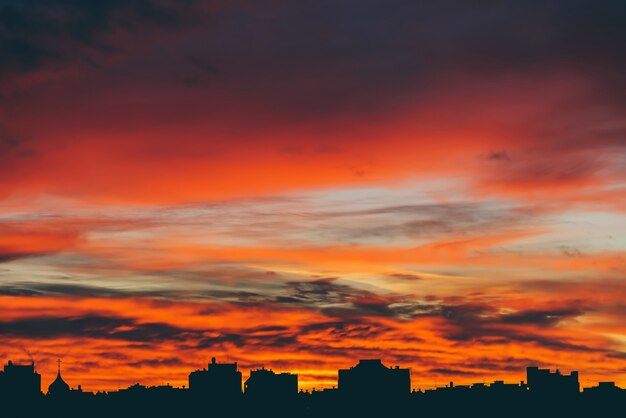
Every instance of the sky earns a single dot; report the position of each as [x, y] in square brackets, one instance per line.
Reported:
[302, 184]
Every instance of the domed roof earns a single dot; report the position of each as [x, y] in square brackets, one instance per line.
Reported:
[59, 386]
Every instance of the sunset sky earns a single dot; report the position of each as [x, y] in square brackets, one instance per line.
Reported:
[300, 184]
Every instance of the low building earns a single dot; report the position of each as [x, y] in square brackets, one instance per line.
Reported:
[604, 389]
[264, 384]
[371, 379]
[221, 381]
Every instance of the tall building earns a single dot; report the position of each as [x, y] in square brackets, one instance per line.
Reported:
[544, 382]
[20, 381]
[371, 379]
[264, 384]
[220, 381]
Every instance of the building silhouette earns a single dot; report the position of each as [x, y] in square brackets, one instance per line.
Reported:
[19, 381]
[219, 381]
[58, 388]
[604, 389]
[506, 389]
[372, 380]
[543, 382]
[264, 384]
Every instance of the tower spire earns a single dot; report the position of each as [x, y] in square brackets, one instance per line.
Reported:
[58, 387]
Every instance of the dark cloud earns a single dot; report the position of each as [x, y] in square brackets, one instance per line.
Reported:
[481, 317]
[340, 67]
[91, 326]
[151, 363]
[324, 295]
[235, 339]
[324, 326]
[345, 301]
[325, 57]
[570, 251]
[6, 257]
[482, 323]
[542, 317]
[234, 295]
[430, 220]
[269, 328]
[464, 323]
[369, 54]
[499, 156]
[352, 313]
[357, 328]
[251, 339]
[199, 73]
[554, 343]
[320, 292]
[618, 355]
[555, 168]
[454, 372]
[406, 277]
[68, 287]
[113, 355]
[511, 364]
[36, 33]
[75, 289]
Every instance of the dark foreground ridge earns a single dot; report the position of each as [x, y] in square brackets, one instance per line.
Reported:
[369, 389]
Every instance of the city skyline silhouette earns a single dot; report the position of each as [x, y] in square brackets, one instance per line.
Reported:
[331, 384]
[369, 388]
